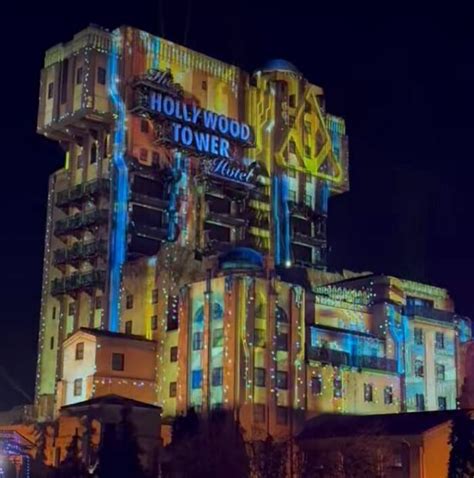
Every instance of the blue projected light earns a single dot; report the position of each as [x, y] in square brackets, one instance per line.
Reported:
[286, 210]
[399, 333]
[120, 176]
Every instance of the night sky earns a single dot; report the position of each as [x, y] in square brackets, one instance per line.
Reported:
[404, 85]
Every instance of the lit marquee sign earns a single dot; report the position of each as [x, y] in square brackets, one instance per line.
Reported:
[195, 129]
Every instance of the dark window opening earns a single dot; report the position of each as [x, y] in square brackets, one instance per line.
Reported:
[118, 362]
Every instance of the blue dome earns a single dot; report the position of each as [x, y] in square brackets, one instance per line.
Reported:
[241, 258]
[280, 65]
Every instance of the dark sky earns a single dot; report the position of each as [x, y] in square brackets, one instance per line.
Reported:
[404, 83]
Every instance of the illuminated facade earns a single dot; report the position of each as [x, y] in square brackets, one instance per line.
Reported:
[190, 216]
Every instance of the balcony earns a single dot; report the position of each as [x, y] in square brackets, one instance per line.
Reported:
[429, 313]
[227, 219]
[80, 251]
[81, 192]
[338, 357]
[144, 199]
[80, 221]
[79, 282]
[308, 240]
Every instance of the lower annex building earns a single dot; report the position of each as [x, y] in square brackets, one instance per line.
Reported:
[185, 251]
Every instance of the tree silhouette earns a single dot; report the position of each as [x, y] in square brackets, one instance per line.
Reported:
[73, 466]
[461, 458]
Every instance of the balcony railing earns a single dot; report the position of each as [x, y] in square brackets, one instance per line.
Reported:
[80, 221]
[338, 357]
[79, 251]
[78, 282]
[428, 313]
[82, 191]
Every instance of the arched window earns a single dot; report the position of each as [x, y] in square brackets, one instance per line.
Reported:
[281, 315]
[217, 311]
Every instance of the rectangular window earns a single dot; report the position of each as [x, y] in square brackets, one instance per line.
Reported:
[79, 76]
[418, 336]
[51, 343]
[71, 308]
[368, 392]
[196, 379]
[316, 385]
[259, 413]
[129, 301]
[419, 368]
[204, 85]
[144, 127]
[439, 340]
[442, 403]
[98, 302]
[282, 341]
[260, 376]
[440, 372]
[154, 322]
[282, 415]
[282, 380]
[308, 200]
[173, 389]
[154, 296]
[78, 387]
[101, 75]
[54, 313]
[259, 337]
[197, 341]
[218, 337]
[337, 387]
[388, 395]
[118, 362]
[217, 375]
[80, 351]
[173, 354]
[292, 101]
[292, 195]
[128, 327]
[420, 402]
[50, 90]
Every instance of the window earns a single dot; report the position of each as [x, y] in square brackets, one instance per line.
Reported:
[388, 395]
[80, 351]
[259, 337]
[282, 341]
[93, 156]
[98, 302]
[197, 341]
[337, 386]
[154, 322]
[128, 327]
[50, 90]
[418, 336]
[54, 313]
[292, 101]
[316, 385]
[144, 126]
[260, 376]
[292, 195]
[218, 337]
[307, 151]
[154, 296]
[196, 379]
[307, 127]
[439, 340]
[440, 372]
[71, 308]
[129, 301]
[292, 146]
[173, 354]
[419, 368]
[307, 107]
[441, 403]
[259, 413]
[101, 75]
[308, 200]
[51, 343]
[282, 380]
[143, 154]
[118, 362]
[78, 387]
[282, 415]
[172, 389]
[368, 392]
[420, 402]
[281, 316]
[204, 85]
[308, 178]
[79, 76]
[217, 375]
[291, 173]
